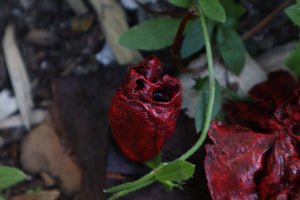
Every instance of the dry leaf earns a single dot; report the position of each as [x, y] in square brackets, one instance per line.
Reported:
[42, 152]
[113, 20]
[42, 195]
[82, 23]
[18, 75]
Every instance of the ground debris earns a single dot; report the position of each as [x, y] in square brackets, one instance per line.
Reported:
[18, 75]
[80, 114]
[41, 195]
[41, 151]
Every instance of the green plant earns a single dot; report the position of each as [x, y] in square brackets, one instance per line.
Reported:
[10, 176]
[293, 62]
[33, 190]
[160, 33]
[205, 21]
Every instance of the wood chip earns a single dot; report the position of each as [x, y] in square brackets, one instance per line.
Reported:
[78, 7]
[82, 24]
[37, 116]
[113, 20]
[18, 75]
[42, 195]
[49, 181]
[41, 37]
[26, 4]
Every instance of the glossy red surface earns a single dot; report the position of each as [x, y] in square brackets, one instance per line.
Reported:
[257, 156]
[144, 110]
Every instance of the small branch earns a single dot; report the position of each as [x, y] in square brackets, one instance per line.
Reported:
[191, 13]
[266, 20]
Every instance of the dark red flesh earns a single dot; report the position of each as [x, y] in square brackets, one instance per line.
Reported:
[257, 155]
[144, 110]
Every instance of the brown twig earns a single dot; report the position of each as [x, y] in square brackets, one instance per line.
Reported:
[191, 13]
[266, 20]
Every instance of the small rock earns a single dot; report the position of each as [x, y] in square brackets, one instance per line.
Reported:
[105, 56]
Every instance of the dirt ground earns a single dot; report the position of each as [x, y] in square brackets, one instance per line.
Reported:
[60, 136]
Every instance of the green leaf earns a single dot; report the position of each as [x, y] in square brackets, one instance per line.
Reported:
[232, 49]
[293, 62]
[155, 162]
[182, 3]
[33, 190]
[169, 185]
[1, 198]
[10, 176]
[152, 34]
[177, 170]
[202, 104]
[213, 10]
[233, 9]
[230, 23]
[294, 13]
[199, 83]
[194, 39]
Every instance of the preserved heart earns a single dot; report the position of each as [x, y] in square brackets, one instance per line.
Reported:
[257, 155]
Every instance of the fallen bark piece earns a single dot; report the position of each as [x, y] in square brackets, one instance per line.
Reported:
[41, 151]
[113, 20]
[80, 116]
[42, 195]
[18, 75]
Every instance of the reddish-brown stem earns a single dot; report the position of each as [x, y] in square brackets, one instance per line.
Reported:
[191, 13]
[266, 20]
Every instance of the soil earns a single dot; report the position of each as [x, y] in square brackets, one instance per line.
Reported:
[75, 89]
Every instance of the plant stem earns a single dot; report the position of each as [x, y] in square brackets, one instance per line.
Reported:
[266, 20]
[149, 178]
[132, 189]
[126, 186]
[191, 13]
[200, 141]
